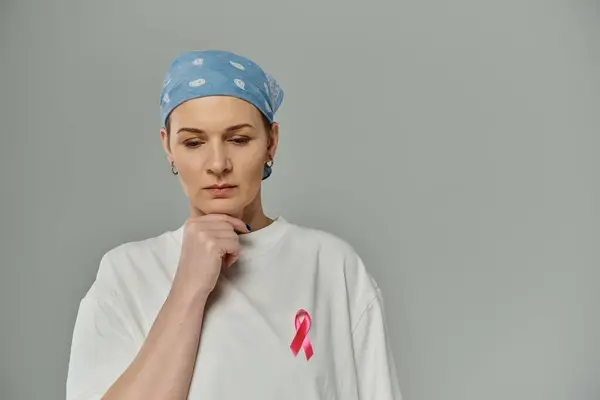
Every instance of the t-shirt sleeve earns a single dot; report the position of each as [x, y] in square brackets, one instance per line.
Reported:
[374, 361]
[102, 347]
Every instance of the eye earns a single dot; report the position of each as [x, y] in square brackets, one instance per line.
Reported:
[192, 143]
[240, 140]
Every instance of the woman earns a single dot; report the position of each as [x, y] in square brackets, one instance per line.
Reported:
[232, 305]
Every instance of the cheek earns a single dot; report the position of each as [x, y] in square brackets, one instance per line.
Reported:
[189, 166]
[190, 169]
[250, 168]
[249, 175]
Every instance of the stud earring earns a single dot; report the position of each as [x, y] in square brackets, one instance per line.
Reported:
[268, 169]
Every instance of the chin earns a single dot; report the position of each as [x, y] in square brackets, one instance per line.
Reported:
[230, 206]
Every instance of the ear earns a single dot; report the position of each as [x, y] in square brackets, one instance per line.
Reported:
[164, 137]
[273, 141]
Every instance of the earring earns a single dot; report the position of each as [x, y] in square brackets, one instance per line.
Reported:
[268, 169]
[173, 168]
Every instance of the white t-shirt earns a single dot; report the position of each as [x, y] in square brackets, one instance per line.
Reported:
[244, 350]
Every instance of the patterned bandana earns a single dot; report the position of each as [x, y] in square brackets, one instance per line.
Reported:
[218, 73]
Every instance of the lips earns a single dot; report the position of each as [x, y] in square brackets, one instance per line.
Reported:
[221, 191]
[220, 187]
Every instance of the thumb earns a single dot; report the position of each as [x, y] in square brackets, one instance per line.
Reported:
[229, 260]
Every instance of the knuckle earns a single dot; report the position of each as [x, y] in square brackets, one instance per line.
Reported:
[211, 245]
[190, 221]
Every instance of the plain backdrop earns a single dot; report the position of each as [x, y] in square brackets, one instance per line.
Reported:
[453, 144]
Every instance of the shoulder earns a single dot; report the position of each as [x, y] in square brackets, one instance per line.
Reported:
[154, 244]
[335, 252]
[128, 264]
[320, 239]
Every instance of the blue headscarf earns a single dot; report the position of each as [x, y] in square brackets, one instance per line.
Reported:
[215, 72]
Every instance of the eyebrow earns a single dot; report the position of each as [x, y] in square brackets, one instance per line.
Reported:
[227, 130]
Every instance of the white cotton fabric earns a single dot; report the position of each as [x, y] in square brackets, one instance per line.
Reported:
[244, 349]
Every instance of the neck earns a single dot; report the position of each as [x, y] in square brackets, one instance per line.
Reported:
[254, 215]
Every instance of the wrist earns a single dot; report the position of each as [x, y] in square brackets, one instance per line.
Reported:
[186, 293]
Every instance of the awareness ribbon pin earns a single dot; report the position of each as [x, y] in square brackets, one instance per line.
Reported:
[301, 339]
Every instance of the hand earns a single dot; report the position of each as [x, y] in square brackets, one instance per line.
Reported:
[210, 242]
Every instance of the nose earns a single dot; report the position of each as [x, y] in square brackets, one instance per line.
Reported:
[218, 162]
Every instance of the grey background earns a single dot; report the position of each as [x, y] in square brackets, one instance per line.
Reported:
[452, 143]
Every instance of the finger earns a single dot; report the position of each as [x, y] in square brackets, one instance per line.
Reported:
[229, 260]
[230, 248]
[226, 233]
[237, 224]
[217, 228]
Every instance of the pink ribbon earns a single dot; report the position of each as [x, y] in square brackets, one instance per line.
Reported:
[301, 339]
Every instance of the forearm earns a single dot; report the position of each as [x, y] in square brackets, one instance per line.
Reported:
[164, 365]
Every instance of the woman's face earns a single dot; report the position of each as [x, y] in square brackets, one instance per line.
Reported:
[221, 142]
